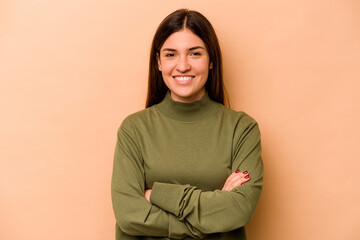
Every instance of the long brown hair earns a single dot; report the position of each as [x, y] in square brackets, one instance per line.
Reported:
[200, 26]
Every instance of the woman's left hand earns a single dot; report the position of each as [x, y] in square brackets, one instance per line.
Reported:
[147, 194]
[236, 179]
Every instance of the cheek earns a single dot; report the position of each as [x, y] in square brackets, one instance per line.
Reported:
[203, 66]
[166, 67]
[203, 69]
[166, 75]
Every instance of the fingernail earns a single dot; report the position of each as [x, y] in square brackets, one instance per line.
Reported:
[237, 171]
[247, 177]
[245, 172]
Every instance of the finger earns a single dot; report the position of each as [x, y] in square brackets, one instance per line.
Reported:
[228, 182]
[235, 176]
[241, 181]
[234, 184]
[230, 178]
[238, 175]
[236, 180]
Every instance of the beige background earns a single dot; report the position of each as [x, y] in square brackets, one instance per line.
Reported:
[70, 71]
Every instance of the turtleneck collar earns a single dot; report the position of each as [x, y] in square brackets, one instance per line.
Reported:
[188, 112]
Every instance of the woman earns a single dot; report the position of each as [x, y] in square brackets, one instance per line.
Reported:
[182, 166]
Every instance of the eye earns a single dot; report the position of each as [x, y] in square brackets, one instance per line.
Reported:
[169, 55]
[195, 54]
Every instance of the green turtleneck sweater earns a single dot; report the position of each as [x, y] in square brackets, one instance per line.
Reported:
[184, 152]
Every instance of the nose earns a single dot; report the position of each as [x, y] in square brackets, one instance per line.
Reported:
[183, 64]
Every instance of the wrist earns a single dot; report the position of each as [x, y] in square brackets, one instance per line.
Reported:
[148, 194]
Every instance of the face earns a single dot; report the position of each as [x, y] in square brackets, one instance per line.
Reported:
[184, 64]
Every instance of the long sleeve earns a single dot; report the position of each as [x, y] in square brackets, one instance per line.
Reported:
[134, 214]
[219, 211]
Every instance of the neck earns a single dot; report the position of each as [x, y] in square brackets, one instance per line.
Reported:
[188, 112]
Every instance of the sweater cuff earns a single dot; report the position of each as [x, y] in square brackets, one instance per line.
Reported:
[180, 230]
[167, 196]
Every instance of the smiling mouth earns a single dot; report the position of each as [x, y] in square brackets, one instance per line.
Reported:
[183, 79]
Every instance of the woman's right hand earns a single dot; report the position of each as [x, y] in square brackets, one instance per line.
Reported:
[237, 178]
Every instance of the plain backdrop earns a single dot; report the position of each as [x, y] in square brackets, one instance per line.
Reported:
[71, 71]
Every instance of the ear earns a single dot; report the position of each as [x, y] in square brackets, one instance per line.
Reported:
[158, 61]
[211, 66]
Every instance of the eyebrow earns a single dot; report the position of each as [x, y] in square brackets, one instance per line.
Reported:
[190, 49]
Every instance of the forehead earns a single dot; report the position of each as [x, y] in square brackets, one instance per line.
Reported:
[183, 39]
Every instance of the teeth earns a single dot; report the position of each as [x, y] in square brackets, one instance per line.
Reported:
[183, 78]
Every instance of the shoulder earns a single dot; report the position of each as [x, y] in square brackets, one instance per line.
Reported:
[245, 128]
[136, 119]
[240, 118]
[138, 116]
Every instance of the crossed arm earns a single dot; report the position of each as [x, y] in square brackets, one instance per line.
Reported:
[236, 179]
[178, 211]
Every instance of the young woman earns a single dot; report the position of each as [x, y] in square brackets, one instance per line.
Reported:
[182, 166]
